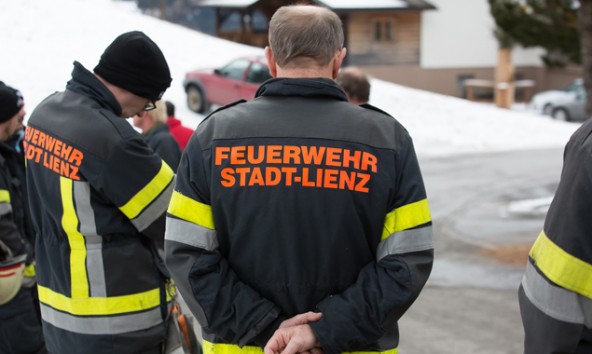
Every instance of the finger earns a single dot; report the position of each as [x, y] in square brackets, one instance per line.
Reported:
[293, 347]
[316, 351]
[272, 347]
[300, 319]
[313, 316]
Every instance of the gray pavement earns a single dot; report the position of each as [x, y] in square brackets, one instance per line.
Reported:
[470, 303]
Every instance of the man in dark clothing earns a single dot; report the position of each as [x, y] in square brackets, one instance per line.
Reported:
[181, 133]
[20, 326]
[157, 135]
[98, 195]
[298, 201]
[556, 291]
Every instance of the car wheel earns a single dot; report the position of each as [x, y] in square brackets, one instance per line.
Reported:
[561, 114]
[548, 109]
[196, 100]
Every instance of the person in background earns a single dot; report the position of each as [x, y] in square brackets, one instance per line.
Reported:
[180, 132]
[355, 84]
[17, 138]
[20, 325]
[555, 294]
[157, 135]
[300, 222]
[98, 196]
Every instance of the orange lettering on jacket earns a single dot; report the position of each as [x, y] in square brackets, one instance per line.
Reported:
[290, 165]
[52, 153]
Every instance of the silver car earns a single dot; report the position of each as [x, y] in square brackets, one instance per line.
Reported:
[568, 104]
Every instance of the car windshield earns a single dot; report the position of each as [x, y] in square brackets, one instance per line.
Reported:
[258, 73]
[576, 86]
[235, 70]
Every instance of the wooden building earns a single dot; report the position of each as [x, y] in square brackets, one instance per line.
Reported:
[382, 32]
[433, 45]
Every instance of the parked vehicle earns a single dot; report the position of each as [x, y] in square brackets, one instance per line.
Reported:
[238, 79]
[568, 104]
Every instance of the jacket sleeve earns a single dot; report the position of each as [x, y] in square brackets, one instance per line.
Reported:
[386, 288]
[139, 183]
[223, 305]
[9, 234]
[555, 294]
[168, 149]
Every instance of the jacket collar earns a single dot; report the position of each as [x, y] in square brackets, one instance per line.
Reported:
[304, 87]
[85, 83]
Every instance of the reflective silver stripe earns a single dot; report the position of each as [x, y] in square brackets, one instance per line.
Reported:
[102, 325]
[94, 243]
[5, 208]
[156, 209]
[555, 301]
[406, 241]
[190, 234]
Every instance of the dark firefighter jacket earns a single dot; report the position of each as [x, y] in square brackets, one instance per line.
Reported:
[96, 192]
[164, 144]
[18, 317]
[15, 226]
[299, 201]
[556, 290]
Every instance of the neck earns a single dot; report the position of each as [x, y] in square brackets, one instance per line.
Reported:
[305, 73]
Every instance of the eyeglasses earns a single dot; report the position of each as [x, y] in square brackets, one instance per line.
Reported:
[150, 106]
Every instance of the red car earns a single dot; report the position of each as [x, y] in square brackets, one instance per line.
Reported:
[237, 80]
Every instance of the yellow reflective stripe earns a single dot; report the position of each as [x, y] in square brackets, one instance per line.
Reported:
[222, 348]
[78, 276]
[150, 192]
[91, 306]
[191, 210]
[30, 270]
[561, 267]
[4, 196]
[406, 217]
[390, 351]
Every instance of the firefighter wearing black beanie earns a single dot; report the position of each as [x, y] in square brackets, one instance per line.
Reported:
[11, 102]
[135, 63]
[102, 289]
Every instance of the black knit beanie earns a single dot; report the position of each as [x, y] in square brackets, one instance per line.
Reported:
[135, 63]
[11, 101]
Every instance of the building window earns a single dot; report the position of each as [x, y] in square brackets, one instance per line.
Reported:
[383, 30]
[388, 31]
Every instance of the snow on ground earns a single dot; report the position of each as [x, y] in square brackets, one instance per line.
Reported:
[41, 39]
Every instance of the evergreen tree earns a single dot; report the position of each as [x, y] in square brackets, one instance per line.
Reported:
[563, 28]
[549, 24]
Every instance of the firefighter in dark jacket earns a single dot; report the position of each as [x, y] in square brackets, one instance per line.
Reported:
[20, 326]
[298, 213]
[556, 290]
[98, 195]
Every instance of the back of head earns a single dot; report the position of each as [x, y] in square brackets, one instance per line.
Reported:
[304, 32]
[159, 114]
[11, 102]
[170, 109]
[355, 84]
[135, 63]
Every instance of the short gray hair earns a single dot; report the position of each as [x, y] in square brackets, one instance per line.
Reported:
[305, 32]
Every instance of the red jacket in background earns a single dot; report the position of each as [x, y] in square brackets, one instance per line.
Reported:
[179, 132]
